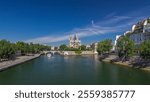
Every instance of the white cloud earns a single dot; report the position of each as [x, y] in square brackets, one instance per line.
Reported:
[83, 32]
[111, 24]
[48, 39]
[114, 20]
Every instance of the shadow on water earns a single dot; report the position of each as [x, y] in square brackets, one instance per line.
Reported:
[72, 70]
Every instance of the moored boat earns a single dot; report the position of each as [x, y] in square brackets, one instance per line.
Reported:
[49, 55]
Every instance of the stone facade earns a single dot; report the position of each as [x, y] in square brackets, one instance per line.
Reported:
[140, 32]
[115, 43]
[74, 42]
[94, 47]
[73, 53]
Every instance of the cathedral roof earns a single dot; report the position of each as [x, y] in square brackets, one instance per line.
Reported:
[75, 37]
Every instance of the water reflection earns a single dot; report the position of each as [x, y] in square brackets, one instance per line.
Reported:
[72, 70]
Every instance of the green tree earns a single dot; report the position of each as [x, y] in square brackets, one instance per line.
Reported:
[145, 49]
[37, 48]
[23, 47]
[63, 47]
[47, 47]
[82, 47]
[125, 47]
[7, 49]
[104, 46]
[31, 48]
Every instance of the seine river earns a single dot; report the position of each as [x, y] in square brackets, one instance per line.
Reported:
[70, 70]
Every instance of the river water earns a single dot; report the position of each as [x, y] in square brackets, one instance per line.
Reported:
[72, 70]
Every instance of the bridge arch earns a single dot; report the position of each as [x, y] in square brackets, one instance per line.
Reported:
[52, 52]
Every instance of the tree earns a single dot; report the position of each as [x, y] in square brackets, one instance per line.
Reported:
[104, 46]
[83, 47]
[145, 49]
[125, 47]
[26, 48]
[63, 47]
[46, 47]
[37, 48]
[21, 46]
[7, 49]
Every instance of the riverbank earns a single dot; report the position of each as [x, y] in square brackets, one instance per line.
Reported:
[21, 59]
[70, 53]
[111, 59]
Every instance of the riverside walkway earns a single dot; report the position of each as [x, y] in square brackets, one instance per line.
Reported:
[7, 64]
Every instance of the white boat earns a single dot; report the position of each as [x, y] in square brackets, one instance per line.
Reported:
[66, 53]
[49, 55]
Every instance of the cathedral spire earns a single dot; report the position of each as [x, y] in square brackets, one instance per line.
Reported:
[74, 42]
[70, 37]
[75, 37]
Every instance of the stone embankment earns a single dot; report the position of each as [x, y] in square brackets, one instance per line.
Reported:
[21, 59]
[74, 53]
[111, 59]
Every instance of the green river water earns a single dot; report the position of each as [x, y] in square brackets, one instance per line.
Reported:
[72, 70]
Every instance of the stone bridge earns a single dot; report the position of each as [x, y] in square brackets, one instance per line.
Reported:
[52, 52]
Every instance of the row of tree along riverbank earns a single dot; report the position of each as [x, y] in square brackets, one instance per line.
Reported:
[12, 54]
[9, 51]
[82, 50]
[126, 53]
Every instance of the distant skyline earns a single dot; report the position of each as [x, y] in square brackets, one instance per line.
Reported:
[52, 21]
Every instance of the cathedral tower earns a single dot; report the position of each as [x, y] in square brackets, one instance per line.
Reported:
[74, 42]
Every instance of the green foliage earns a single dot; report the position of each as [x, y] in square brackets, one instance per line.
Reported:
[7, 49]
[145, 49]
[104, 46]
[63, 47]
[23, 47]
[83, 48]
[26, 48]
[72, 49]
[125, 47]
[78, 52]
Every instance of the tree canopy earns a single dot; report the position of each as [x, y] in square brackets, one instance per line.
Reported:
[31, 48]
[83, 47]
[8, 49]
[145, 49]
[63, 47]
[125, 47]
[104, 46]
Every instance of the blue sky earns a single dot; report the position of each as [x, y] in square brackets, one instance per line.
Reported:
[52, 21]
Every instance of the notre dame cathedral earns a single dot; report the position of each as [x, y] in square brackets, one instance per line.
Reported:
[74, 42]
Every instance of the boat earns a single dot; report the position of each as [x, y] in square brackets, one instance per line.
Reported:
[66, 53]
[49, 55]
